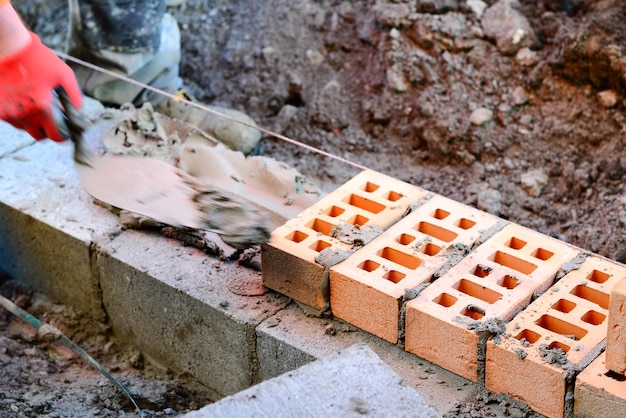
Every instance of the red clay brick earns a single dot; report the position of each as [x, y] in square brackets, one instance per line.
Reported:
[599, 392]
[564, 329]
[616, 336]
[366, 289]
[369, 198]
[494, 281]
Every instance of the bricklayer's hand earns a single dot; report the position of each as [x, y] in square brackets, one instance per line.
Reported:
[28, 78]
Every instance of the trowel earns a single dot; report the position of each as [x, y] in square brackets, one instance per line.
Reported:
[160, 191]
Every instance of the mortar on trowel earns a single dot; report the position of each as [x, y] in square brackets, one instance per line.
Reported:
[176, 174]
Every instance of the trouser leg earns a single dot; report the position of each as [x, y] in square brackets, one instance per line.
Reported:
[135, 38]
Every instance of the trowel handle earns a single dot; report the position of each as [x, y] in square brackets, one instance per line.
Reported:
[72, 123]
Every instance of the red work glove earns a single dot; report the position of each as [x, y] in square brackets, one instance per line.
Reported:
[28, 78]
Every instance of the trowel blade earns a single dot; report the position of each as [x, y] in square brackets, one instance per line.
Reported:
[145, 186]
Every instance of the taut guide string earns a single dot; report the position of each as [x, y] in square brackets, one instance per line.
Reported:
[206, 109]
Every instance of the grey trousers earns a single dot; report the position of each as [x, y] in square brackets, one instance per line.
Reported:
[137, 39]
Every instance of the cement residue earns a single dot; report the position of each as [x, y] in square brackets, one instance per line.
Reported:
[357, 235]
[555, 355]
[573, 264]
[454, 254]
[327, 258]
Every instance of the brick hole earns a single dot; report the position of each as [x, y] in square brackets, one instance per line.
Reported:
[593, 317]
[436, 231]
[464, 223]
[616, 376]
[358, 220]
[405, 239]
[559, 326]
[482, 270]
[334, 211]
[297, 236]
[394, 276]
[478, 291]
[369, 265]
[563, 305]
[394, 196]
[445, 299]
[528, 335]
[399, 257]
[513, 262]
[515, 243]
[320, 245]
[321, 226]
[431, 249]
[556, 344]
[592, 295]
[370, 187]
[508, 281]
[598, 276]
[440, 214]
[473, 312]
[542, 254]
[365, 204]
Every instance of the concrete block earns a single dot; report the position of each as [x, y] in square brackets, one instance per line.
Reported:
[190, 312]
[368, 199]
[367, 289]
[558, 334]
[12, 139]
[616, 336]
[48, 223]
[449, 321]
[334, 386]
[599, 392]
[291, 339]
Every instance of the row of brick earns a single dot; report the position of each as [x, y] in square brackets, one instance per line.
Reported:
[454, 285]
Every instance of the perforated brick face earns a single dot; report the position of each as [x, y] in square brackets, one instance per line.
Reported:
[369, 199]
[495, 281]
[562, 330]
[366, 289]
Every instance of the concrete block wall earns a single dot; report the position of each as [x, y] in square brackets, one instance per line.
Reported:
[466, 313]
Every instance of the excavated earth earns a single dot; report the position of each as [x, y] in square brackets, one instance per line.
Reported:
[517, 109]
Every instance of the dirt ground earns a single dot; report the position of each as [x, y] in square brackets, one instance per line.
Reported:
[518, 112]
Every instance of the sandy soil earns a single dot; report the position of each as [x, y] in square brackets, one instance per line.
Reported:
[525, 124]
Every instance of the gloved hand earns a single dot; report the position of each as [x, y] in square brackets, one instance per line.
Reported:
[28, 78]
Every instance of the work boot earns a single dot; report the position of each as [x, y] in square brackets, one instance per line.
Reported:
[110, 35]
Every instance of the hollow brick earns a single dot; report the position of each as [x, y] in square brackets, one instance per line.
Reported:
[561, 332]
[368, 199]
[489, 286]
